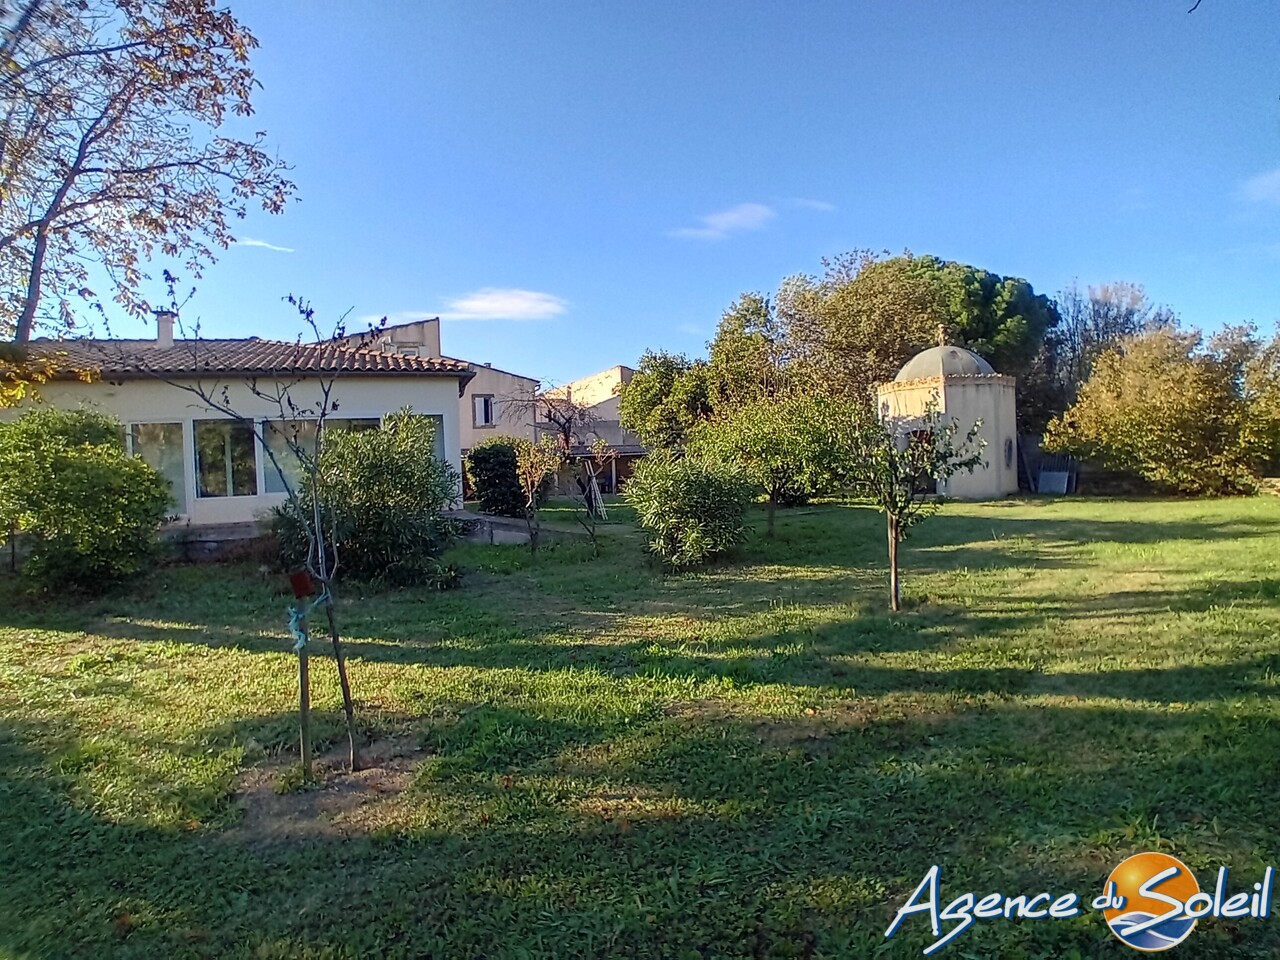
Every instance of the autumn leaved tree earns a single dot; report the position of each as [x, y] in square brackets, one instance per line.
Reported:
[113, 150]
[1188, 416]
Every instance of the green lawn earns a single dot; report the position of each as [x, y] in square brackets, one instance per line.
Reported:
[584, 758]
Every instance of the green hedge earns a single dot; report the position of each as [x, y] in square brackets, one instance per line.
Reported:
[382, 495]
[91, 513]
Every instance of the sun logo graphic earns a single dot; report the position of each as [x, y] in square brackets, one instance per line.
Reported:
[1152, 900]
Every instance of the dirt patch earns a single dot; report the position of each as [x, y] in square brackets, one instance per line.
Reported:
[339, 804]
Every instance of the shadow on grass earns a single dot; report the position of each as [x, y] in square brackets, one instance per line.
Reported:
[535, 831]
[830, 652]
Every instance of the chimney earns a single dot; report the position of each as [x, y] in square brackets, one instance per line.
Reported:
[164, 328]
[431, 337]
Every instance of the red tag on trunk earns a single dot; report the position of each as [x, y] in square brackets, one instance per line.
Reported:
[301, 583]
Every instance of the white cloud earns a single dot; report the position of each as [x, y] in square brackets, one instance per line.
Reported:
[493, 303]
[250, 242]
[1264, 188]
[723, 223]
[490, 303]
[821, 206]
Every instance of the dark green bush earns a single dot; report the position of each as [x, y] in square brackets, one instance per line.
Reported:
[382, 496]
[692, 509]
[491, 467]
[91, 513]
[491, 473]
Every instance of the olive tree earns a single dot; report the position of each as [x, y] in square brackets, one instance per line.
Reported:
[779, 444]
[899, 464]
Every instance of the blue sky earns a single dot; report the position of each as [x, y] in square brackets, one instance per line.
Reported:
[569, 183]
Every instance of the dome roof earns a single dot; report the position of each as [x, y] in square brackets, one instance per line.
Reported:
[944, 361]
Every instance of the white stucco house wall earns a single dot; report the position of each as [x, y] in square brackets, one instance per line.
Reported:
[217, 466]
[966, 389]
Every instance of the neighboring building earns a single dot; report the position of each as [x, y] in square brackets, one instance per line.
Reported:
[588, 409]
[965, 388]
[494, 401]
[218, 468]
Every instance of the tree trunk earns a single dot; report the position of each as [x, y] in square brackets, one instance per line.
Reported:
[895, 596]
[770, 509]
[534, 525]
[348, 707]
[22, 333]
[304, 713]
[26, 322]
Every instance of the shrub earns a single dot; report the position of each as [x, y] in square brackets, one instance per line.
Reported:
[382, 496]
[692, 509]
[491, 472]
[92, 512]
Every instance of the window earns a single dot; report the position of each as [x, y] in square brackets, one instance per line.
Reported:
[160, 446]
[437, 440]
[284, 436]
[226, 459]
[482, 410]
[437, 445]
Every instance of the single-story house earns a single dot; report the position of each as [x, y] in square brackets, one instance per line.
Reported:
[217, 465]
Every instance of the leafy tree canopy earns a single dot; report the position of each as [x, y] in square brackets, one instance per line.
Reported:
[866, 316]
[780, 443]
[667, 395]
[746, 358]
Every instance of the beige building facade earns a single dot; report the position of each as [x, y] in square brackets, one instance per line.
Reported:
[494, 403]
[966, 389]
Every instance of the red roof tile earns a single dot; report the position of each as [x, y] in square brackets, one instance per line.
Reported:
[135, 359]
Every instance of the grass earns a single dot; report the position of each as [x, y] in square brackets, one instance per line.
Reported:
[590, 759]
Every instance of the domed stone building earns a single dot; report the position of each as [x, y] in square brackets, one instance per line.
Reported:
[966, 389]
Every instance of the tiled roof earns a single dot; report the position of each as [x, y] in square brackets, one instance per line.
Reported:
[134, 359]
